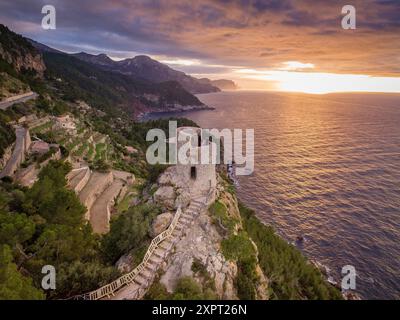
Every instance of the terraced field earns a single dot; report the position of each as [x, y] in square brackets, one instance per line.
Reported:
[89, 146]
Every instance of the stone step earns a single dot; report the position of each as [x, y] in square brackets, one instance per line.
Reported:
[177, 233]
[179, 225]
[187, 216]
[185, 224]
[197, 201]
[147, 273]
[166, 245]
[155, 259]
[185, 220]
[160, 252]
[190, 211]
[152, 265]
[196, 204]
[140, 280]
[194, 208]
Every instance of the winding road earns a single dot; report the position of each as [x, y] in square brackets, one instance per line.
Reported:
[4, 104]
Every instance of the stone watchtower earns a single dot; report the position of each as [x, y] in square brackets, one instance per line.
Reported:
[196, 168]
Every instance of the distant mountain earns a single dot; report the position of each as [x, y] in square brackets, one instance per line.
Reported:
[100, 59]
[87, 78]
[42, 47]
[143, 67]
[221, 84]
[104, 88]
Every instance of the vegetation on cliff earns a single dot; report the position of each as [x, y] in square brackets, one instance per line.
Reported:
[291, 276]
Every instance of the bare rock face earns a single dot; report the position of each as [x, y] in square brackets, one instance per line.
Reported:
[170, 177]
[165, 197]
[263, 285]
[161, 223]
[201, 242]
[183, 199]
[124, 264]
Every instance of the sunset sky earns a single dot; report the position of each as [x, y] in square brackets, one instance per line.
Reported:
[261, 44]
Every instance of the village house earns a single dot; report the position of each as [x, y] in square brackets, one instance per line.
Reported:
[65, 122]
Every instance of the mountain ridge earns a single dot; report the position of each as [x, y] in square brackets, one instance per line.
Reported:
[146, 68]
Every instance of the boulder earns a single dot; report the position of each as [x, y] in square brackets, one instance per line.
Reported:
[165, 196]
[160, 223]
[124, 264]
[171, 177]
[183, 199]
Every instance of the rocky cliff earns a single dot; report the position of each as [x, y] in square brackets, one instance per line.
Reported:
[200, 255]
[19, 52]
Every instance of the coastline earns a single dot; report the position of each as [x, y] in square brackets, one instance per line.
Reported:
[146, 116]
[322, 269]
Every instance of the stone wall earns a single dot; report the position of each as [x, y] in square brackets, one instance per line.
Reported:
[98, 182]
[83, 182]
[22, 143]
[205, 176]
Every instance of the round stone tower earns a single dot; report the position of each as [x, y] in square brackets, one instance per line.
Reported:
[196, 160]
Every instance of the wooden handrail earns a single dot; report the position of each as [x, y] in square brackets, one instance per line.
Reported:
[129, 277]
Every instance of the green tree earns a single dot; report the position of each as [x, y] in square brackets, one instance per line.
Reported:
[187, 289]
[128, 231]
[15, 228]
[13, 285]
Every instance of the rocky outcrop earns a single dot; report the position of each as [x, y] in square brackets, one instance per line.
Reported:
[165, 197]
[202, 243]
[124, 264]
[161, 223]
[19, 52]
[28, 176]
[182, 199]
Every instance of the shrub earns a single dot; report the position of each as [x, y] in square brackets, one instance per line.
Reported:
[220, 217]
[187, 289]
[238, 247]
[128, 231]
[157, 291]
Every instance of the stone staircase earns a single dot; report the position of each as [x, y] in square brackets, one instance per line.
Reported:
[134, 285]
[145, 278]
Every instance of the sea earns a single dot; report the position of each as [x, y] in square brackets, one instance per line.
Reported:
[327, 171]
